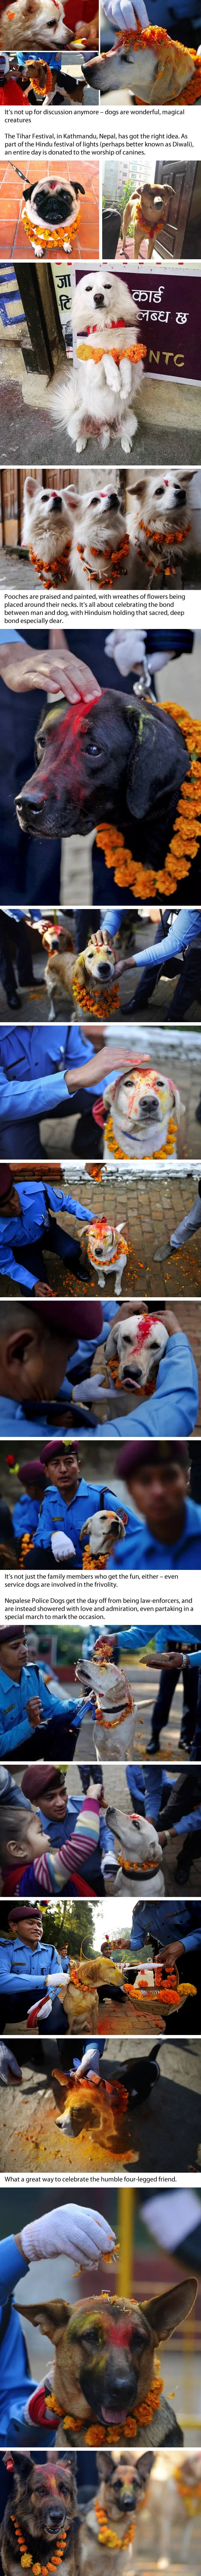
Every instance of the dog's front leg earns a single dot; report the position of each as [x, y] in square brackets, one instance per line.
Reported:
[111, 372]
[129, 425]
[125, 377]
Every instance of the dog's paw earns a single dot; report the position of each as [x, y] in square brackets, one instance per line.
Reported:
[105, 437]
[111, 373]
[125, 376]
[80, 443]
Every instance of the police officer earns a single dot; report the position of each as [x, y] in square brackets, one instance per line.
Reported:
[26, 1961]
[27, 1710]
[26, 1213]
[68, 1502]
[174, 1932]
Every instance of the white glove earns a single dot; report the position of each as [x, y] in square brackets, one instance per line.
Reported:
[62, 1547]
[123, 14]
[81, 2233]
[127, 650]
[90, 1388]
[8, 2064]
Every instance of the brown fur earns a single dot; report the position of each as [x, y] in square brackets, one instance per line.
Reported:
[35, 2497]
[149, 209]
[105, 2355]
[98, 2109]
[116, 2475]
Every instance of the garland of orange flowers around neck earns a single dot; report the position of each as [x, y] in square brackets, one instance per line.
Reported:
[157, 41]
[143, 2415]
[186, 829]
[165, 541]
[105, 580]
[191, 2497]
[58, 574]
[112, 2538]
[53, 239]
[162, 1152]
[94, 1002]
[26, 2555]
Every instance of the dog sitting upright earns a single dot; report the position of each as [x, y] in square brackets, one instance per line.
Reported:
[101, 553]
[43, 2505]
[163, 519]
[47, 531]
[107, 375]
[104, 2368]
[111, 2516]
[49, 205]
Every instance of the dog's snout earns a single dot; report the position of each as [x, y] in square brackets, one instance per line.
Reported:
[57, 502]
[114, 502]
[99, 300]
[104, 971]
[29, 808]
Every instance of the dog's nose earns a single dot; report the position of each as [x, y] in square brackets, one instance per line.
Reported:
[99, 300]
[29, 808]
[114, 502]
[56, 504]
[104, 971]
[180, 495]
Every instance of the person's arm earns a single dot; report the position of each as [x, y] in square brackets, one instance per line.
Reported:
[17, 1099]
[13, 2266]
[80, 2233]
[12, 1269]
[108, 1060]
[182, 931]
[187, 1824]
[22, 668]
[73, 1206]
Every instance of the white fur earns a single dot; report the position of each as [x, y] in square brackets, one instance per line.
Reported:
[130, 1098]
[33, 18]
[101, 1533]
[44, 528]
[138, 1360]
[145, 75]
[112, 1690]
[156, 498]
[97, 524]
[100, 397]
[138, 1841]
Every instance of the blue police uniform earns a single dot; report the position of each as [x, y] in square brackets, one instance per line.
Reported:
[141, 1549]
[55, 1515]
[166, 1923]
[15, 2372]
[173, 1408]
[14, 1697]
[20, 1967]
[19, 1231]
[29, 1082]
[25, 1516]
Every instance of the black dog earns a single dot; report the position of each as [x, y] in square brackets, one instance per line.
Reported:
[121, 761]
[43, 2504]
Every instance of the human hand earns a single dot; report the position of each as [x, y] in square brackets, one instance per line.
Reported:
[80, 2233]
[76, 679]
[10, 2073]
[34, 1710]
[172, 1951]
[41, 1289]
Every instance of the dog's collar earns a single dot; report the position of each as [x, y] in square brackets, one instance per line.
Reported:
[26, 2555]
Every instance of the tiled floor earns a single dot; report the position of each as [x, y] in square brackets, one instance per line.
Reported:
[14, 240]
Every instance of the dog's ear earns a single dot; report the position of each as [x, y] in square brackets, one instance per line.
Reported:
[30, 488]
[26, 2463]
[167, 2311]
[78, 190]
[149, 761]
[51, 2316]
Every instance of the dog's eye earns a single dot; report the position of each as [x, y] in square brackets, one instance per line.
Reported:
[93, 751]
[159, 491]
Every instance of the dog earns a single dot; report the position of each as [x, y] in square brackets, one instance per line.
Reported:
[150, 76]
[97, 964]
[176, 2518]
[123, 2485]
[103, 1248]
[44, 2505]
[101, 1533]
[47, 530]
[146, 213]
[101, 553]
[115, 1703]
[96, 2115]
[51, 203]
[80, 1995]
[104, 2362]
[141, 1105]
[122, 761]
[34, 18]
[136, 1843]
[163, 522]
[139, 1343]
[106, 376]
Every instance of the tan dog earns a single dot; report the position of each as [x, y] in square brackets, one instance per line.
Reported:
[81, 1999]
[44, 2506]
[175, 2533]
[150, 74]
[104, 2363]
[123, 2484]
[147, 213]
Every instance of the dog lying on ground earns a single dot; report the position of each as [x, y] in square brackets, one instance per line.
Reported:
[141, 1105]
[176, 2514]
[152, 75]
[136, 1842]
[121, 761]
[44, 2505]
[107, 375]
[123, 2487]
[95, 2113]
[115, 1702]
[163, 521]
[146, 213]
[51, 203]
[105, 2362]
[34, 18]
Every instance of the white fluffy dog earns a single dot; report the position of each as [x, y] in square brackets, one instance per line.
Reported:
[103, 388]
[47, 525]
[164, 502]
[43, 18]
[100, 552]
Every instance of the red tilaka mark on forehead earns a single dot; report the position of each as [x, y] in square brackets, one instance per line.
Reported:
[121, 2333]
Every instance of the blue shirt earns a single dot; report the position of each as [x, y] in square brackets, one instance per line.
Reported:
[185, 928]
[21, 1967]
[17, 1231]
[140, 1549]
[14, 1696]
[25, 1515]
[166, 1923]
[55, 1514]
[15, 2374]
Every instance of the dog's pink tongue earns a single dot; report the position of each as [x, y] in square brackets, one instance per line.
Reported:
[113, 2416]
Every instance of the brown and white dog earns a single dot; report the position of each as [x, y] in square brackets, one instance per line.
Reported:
[145, 212]
[101, 1533]
[34, 18]
[151, 76]
[104, 2363]
[43, 2504]
[141, 1105]
[104, 1252]
[123, 2485]
[98, 964]
[157, 503]
[104, 386]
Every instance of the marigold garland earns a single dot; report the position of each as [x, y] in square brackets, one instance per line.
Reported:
[106, 580]
[134, 353]
[192, 2499]
[160, 542]
[105, 2533]
[143, 2415]
[161, 1152]
[27, 2560]
[147, 228]
[109, 1722]
[58, 573]
[42, 88]
[94, 1002]
[50, 239]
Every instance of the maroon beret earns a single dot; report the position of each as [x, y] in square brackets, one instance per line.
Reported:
[76, 1320]
[134, 1454]
[31, 1914]
[6, 1180]
[37, 1778]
